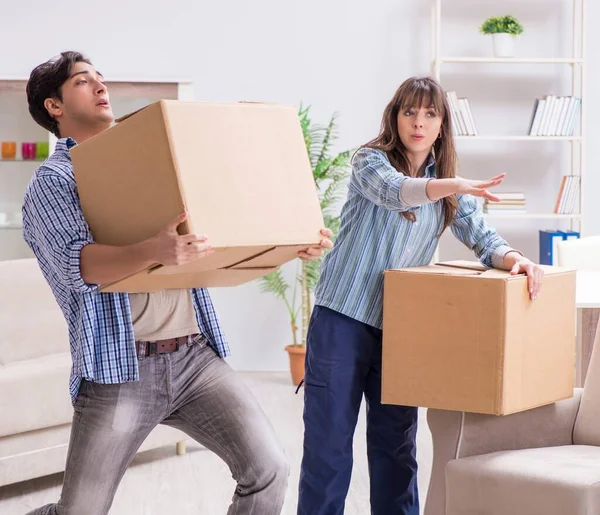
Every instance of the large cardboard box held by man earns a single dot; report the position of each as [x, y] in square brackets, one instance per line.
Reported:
[457, 336]
[241, 171]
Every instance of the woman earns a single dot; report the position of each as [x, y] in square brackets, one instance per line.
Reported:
[403, 194]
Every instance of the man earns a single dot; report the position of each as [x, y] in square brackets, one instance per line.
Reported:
[122, 383]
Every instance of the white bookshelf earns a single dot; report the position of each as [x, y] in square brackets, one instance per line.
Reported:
[510, 137]
[533, 216]
[16, 125]
[576, 63]
[509, 60]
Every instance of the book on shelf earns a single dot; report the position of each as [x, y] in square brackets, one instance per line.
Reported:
[554, 116]
[509, 203]
[568, 194]
[463, 123]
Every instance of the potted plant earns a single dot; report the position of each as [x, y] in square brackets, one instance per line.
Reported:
[329, 172]
[504, 31]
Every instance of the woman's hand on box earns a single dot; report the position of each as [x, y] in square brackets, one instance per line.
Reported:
[535, 274]
[172, 249]
[312, 253]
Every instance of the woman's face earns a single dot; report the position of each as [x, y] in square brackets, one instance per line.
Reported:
[418, 128]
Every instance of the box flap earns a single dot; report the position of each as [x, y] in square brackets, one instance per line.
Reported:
[435, 269]
[475, 268]
[145, 283]
[483, 271]
[276, 256]
[223, 257]
[461, 263]
[475, 265]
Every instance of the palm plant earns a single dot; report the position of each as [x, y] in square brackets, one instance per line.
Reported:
[329, 173]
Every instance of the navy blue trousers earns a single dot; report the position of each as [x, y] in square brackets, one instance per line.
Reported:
[343, 363]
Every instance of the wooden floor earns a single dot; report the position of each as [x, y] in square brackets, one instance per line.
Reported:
[159, 482]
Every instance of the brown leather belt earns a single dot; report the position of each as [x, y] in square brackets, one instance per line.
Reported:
[146, 349]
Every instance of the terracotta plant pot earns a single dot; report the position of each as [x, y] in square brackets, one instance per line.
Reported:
[297, 354]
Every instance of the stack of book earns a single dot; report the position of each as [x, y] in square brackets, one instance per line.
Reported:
[554, 116]
[463, 123]
[567, 195]
[510, 203]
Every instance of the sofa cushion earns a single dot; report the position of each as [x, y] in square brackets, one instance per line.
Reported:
[546, 481]
[32, 322]
[35, 394]
[44, 451]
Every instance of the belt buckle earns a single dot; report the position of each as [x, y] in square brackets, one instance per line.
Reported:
[152, 348]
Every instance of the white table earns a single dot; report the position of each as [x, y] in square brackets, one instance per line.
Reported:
[588, 290]
[587, 300]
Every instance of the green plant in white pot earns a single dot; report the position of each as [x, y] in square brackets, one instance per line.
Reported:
[329, 172]
[504, 31]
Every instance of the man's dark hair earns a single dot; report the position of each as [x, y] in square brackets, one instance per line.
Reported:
[46, 81]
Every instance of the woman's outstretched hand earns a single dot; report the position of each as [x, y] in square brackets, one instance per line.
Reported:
[479, 188]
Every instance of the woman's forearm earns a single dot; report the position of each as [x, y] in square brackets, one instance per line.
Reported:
[441, 188]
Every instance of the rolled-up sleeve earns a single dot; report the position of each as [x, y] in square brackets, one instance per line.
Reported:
[377, 180]
[53, 224]
[470, 227]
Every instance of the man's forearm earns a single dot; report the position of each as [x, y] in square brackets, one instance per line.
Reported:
[101, 264]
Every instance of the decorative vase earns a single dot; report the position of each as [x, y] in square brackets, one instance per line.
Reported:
[9, 149]
[28, 151]
[297, 355]
[504, 44]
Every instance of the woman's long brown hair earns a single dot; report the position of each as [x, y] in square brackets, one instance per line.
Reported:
[420, 92]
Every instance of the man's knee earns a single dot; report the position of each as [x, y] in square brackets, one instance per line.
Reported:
[266, 471]
[281, 467]
[276, 469]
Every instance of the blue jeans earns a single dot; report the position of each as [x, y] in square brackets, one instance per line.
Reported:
[343, 362]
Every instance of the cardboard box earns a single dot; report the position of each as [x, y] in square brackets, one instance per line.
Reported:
[240, 170]
[457, 336]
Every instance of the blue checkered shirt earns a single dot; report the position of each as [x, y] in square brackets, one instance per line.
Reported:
[100, 328]
[374, 236]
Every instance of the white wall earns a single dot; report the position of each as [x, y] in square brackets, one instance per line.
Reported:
[337, 56]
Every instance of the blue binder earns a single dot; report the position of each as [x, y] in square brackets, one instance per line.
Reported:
[548, 243]
[570, 235]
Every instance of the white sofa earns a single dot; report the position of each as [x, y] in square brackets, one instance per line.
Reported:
[544, 461]
[35, 407]
[581, 253]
